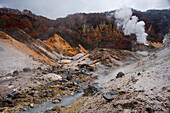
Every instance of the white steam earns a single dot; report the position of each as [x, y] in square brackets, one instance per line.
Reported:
[130, 24]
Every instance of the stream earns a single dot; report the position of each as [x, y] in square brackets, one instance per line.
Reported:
[66, 101]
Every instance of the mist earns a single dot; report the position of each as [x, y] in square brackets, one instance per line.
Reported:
[130, 25]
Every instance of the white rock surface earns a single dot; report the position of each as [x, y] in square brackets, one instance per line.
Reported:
[12, 59]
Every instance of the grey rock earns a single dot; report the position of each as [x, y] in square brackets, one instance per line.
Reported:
[27, 69]
[91, 90]
[69, 85]
[14, 95]
[15, 73]
[44, 72]
[109, 95]
[39, 68]
[36, 100]
[56, 100]
[91, 68]
[8, 101]
[69, 77]
[120, 75]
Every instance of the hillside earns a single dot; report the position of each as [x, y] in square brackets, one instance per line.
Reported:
[46, 64]
[90, 30]
[143, 88]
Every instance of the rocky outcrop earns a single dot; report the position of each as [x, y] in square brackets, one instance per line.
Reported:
[59, 44]
[16, 55]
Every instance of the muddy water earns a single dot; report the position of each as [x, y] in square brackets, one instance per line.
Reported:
[66, 101]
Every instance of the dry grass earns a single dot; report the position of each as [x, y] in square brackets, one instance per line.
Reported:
[74, 107]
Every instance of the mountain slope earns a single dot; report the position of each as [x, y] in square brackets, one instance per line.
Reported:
[14, 55]
[90, 30]
[27, 52]
[144, 88]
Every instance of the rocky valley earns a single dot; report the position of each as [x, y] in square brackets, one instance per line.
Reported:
[84, 63]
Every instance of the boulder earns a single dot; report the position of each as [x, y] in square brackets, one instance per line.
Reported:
[53, 76]
[14, 95]
[91, 90]
[109, 95]
[39, 68]
[120, 75]
[15, 73]
[56, 100]
[27, 69]
[8, 101]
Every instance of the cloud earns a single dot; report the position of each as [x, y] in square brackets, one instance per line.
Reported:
[60, 8]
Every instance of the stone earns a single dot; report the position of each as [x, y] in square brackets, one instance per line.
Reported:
[91, 90]
[44, 72]
[75, 83]
[38, 73]
[149, 110]
[31, 105]
[39, 68]
[109, 95]
[130, 105]
[27, 69]
[69, 85]
[91, 68]
[14, 95]
[44, 94]
[15, 73]
[56, 108]
[36, 100]
[53, 76]
[69, 72]
[72, 93]
[69, 77]
[8, 101]
[56, 100]
[50, 70]
[120, 75]
[24, 109]
[76, 70]
[139, 74]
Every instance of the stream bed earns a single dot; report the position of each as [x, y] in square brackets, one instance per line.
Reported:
[66, 101]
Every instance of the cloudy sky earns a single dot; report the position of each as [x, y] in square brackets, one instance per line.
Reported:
[60, 8]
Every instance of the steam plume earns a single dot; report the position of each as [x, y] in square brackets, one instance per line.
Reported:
[130, 24]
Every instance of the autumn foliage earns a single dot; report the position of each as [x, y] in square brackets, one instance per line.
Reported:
[90, 30]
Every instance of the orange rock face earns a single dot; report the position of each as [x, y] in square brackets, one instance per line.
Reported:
[61, 45]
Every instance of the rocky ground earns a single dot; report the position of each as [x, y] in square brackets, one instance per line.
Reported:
[27, 87]
[143, 86]
[110, 81]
